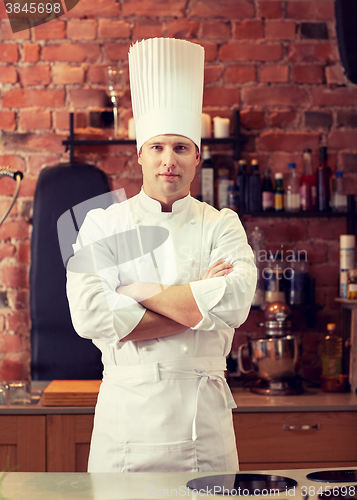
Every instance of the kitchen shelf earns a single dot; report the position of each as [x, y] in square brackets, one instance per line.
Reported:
[71, 142]
[351, 305]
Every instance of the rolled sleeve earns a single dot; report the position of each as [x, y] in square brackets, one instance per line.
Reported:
[225, 301]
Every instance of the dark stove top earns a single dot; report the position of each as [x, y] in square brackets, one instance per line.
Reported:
[334, 476]
[241, 484]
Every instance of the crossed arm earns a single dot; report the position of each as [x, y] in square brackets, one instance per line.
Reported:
[168, 311]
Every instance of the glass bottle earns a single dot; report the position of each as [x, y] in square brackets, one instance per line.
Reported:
[222, 190]
[207, 177]
[256, 239]
[267, 192]
[323, 175]
[339, 198]
[307, 184]
[242, 184]
[233, 196]
[332, 351]
[292, 191]
[274, 280]
[255, 197]
[279, 193]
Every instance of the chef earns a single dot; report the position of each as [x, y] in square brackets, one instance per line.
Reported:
[170, 278]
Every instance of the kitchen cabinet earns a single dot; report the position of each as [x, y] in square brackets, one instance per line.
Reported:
[296, 440]
[23, 443]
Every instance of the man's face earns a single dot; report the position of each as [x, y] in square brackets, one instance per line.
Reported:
[169, 164]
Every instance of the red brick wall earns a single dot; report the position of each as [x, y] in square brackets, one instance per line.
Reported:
[276, 61]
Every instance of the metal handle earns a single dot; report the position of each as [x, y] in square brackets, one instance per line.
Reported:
[306, 427]
[240, 360]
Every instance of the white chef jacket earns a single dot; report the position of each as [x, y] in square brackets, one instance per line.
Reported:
[164, 404]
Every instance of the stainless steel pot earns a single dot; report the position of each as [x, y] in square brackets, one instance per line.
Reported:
[273, 359]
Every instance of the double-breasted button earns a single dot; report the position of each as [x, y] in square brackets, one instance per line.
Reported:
[193, 221]
[145, 349]
[184, 348]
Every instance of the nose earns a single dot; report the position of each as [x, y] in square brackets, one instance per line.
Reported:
[169, 158]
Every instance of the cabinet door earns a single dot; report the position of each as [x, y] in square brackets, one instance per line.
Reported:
[309, 438]
[68, 441]
[23, 443]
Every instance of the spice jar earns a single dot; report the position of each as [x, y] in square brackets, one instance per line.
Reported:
[352, 284]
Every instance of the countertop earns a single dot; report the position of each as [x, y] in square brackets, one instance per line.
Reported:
[311, 400]
[83, 486]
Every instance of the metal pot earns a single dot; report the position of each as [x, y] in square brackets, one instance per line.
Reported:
[273, 359]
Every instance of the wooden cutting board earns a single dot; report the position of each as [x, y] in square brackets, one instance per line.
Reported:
[71, 393]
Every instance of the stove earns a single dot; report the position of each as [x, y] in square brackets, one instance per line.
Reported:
[329, 484]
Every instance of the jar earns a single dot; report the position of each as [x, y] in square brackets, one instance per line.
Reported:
[352, 284]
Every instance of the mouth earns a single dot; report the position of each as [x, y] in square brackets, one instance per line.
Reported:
[168, 176]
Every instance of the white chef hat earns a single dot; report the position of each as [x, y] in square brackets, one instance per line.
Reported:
[166, 82]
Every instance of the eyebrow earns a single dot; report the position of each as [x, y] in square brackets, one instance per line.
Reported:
[179, 143]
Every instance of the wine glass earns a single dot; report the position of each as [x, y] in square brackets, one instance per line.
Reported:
[116, 80]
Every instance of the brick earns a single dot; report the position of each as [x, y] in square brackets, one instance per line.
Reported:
[313, 52]
[96, 73]
[325, 274]
[211, 50]
[282, 118]
[31, 142]
[348, 162]
[24, 98]
[270, 9]
[35, 119]
[182, 28]
[7, 120]
[81, 98]
[248, 29]
[10, 343]
[236, 51]
[274, 96]
[17, 230]
[72, 52]
[6, 249]
[310, 10]
[147, 28]
[274, 73]
[50, 31]
[212, 74]
[215, 29]
[308, 73]
[316, 252]
[2, 323]
[280, 30]
[154, 8]
[39, 74]
[8, 74]
[252, 119]
[24, 252]
[229, 9]
[38, 161]
[9, 52]
[316, 119]
[12, 370]
[335, 75]
[281, 231]
[108, 28]
[31, 52]
[7, 33]
[19, 321]
[16, 162]
[113, 164]
[95, 8]
[131, 186]
[80, 29]
[61, 120]
[322, 96]
[240, 73]
[21, 299]
[116, 51]
[326, 228]
[315, 31]
[289, 141]
[68, 74]
[347, 118]
[220, 96]
[342, 139]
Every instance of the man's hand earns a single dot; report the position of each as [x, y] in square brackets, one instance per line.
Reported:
[219, 268]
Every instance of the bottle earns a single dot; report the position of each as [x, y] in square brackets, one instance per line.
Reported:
[255, 197]
[307, 184]
[274, 280]
[292, 191]
[332, 352]
[207, 177]
[267, 192]
[242, 184]
[233, 196]
[279, 193]
[222, 190]
[347, 260]
[339, 199]
[296, 279]
[256, 239]
[323, 175]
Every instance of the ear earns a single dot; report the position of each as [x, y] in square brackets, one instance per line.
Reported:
[139, 158]
[198, 157]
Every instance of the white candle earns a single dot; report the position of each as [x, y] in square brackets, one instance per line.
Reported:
[131, 129]
[206, 126]
[220, 127]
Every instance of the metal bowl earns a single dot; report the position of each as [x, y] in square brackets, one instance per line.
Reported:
[273, 358]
